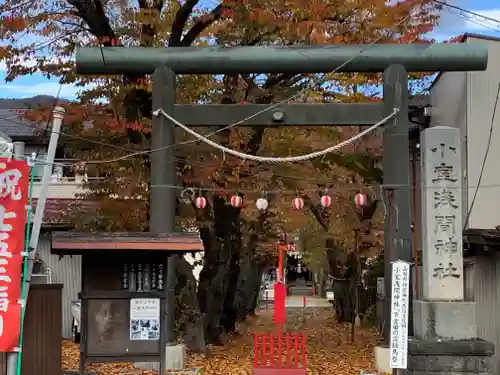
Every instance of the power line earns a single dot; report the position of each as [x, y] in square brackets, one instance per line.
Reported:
[344, 188]
[93, 162]
[198, 137]
[49, 121]
[469, 13]
[469, 19]
[205, 138]
[319, 81]
[485, 158]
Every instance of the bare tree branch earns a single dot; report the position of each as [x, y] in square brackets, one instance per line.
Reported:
[92, 12]
[201, 25]
[180, 20]
[318, 212]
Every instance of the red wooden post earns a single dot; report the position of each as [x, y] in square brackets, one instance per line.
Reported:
[280, 347]
[279, 303]
[304, 351]
[288, 350]
[296, 351]
[263, 359]
[255, 350]
[271, 339]
[280, 264]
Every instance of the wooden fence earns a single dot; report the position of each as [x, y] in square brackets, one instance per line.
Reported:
[42, 332]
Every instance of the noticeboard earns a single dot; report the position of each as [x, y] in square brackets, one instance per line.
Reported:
[112, 333]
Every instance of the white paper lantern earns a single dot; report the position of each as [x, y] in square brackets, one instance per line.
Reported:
[326, 201]
[262, 204]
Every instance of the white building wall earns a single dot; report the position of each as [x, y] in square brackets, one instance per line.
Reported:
[66, 271]
[466, 101]
[481, 97]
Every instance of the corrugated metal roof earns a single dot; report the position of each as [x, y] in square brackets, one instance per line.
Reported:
[14, 124]
[58, 211]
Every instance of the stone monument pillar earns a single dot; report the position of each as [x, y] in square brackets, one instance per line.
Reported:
[445, 335]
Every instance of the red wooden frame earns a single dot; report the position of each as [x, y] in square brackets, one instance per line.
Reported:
[279, 354]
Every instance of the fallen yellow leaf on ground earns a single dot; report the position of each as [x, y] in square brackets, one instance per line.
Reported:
[329, 347]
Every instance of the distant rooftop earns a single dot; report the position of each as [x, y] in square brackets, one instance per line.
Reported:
[12, 120]
[11, 124]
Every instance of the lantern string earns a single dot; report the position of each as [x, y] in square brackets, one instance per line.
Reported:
[348, 188]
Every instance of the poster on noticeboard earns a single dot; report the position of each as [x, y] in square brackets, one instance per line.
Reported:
[145, 319]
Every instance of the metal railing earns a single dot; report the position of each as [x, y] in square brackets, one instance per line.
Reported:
[63, 173]
[45, 276]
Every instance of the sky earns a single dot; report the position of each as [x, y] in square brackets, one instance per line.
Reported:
[451, 25]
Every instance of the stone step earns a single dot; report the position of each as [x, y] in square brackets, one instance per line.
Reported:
[300, 291]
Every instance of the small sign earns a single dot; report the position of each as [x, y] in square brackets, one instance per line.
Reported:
[6, 146]
[399, 314]
[145, 319]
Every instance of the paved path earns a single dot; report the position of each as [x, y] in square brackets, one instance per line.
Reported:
[311, 301]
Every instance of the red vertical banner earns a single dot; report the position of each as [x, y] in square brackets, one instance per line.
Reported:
[279, 274]
[279, 303]
[14, 185]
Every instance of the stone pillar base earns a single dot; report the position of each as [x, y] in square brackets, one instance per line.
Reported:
[432, 357]
[448, 320]
[382, 359]
[175, 357]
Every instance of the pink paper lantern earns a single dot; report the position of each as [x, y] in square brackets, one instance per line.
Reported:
[200, 202]
[297, 203]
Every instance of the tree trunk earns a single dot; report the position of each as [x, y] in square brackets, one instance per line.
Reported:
[256, 284]
[248, 287]
[214, 295]
[188, 313]
[229, 312]
[343, 300]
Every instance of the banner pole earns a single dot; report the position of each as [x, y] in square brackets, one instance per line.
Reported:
[24, 297]
[58, 115]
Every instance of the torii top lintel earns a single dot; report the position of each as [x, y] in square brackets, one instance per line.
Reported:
[293, 59]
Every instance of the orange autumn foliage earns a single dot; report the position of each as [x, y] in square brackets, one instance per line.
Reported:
[55, 29]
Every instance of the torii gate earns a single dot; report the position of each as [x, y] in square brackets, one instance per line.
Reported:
[395, 61]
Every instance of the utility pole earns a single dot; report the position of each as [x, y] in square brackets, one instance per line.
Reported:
[57, 115]
[163, 202]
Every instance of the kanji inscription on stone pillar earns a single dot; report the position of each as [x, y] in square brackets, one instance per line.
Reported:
[441, 184]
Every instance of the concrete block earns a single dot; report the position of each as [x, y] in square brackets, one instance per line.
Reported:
[175, 357]
[444, 320]
[193, 371]
[382, 360]
[148, 365]
[450, 357]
